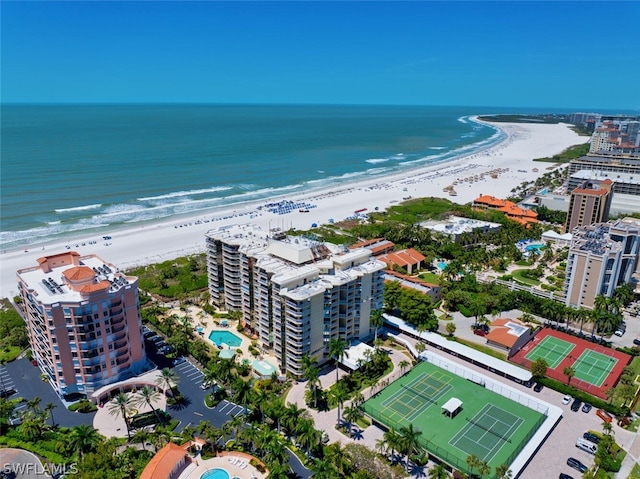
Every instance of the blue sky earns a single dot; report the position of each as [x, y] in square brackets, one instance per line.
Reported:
[510, 53]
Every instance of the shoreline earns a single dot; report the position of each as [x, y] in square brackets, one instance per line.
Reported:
[168, 238]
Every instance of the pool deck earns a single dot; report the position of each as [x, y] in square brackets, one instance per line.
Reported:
[200, 319]
[224, 461]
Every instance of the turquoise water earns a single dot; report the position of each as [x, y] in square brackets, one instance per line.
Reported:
[534, 247]
[226, 337]
[215, 474]
[264, 368]
[70, 170]
[441, 265]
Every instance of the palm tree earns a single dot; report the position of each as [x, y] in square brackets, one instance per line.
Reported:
[167, 380]
[6, 411]
[483, 469]
[420, 347]
[439, 472]
[148, 395]
[308, 435]
[34, 404]
[404, 364]
[607, 428]
[477, 309]
[352, 414]
[569, 372]
[581, 314]
[410, 440]
[473, 462]
[83, 438]
[323, 469]
[337, 350]
[340, 395]
[338, 457]
[377, 321]
[122, 405]
[141, 436]
[503, 472]
[49, 410]
[392, 440]
[243, 392]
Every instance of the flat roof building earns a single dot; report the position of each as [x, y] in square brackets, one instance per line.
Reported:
[601, 258]
[83, 318]
[296, 293]
[456, 226]
[589, 204]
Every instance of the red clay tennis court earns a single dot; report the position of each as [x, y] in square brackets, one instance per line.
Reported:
[597, 368]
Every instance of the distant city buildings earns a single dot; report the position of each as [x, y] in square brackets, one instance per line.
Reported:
[296, 293]
[454, 227]
[616, 137]
[589, 204]
[601, 258]
[83, 318]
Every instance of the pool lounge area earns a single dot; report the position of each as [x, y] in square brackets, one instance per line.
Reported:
[227, 465]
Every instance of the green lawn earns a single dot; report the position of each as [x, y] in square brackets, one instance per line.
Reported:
[517, 275]
[430, 277]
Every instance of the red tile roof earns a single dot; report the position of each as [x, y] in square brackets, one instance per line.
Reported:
[163, 463]
[79, 273]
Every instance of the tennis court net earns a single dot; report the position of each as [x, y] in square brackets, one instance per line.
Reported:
[489, 430]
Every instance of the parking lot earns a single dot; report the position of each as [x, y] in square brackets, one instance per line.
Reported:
[25, 378]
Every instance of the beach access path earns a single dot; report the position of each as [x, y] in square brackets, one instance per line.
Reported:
[148, 243]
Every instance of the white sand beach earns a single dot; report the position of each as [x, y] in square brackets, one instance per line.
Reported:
[510, 161]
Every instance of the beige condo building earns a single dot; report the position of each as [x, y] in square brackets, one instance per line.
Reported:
[601, 258]
[83, 318]
[296, 293]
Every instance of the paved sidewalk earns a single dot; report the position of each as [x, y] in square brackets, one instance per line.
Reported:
[327, 420]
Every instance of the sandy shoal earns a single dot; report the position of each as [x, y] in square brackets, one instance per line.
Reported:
[153, 243]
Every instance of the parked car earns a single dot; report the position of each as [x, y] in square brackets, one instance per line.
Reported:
[565, 476]
[636, 341]
[148, 334]
[577, 465]
[589, 436]
[604, 415]
[567, 399]
[576, 404]
[538, 387]
[5, 393]
[587, 407]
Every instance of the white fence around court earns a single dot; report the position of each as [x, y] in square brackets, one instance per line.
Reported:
[486, 382]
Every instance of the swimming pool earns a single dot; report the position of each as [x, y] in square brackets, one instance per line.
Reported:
[535, 247]
[441, 265]
[215, 474]
[226, 337]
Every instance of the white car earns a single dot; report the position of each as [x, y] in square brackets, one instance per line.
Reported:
[567, 399]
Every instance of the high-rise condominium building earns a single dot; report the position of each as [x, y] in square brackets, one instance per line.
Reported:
[589, 204]
[296, 293]
[601, 258]
[84, 322]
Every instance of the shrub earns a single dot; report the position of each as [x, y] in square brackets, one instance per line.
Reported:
[83, 406]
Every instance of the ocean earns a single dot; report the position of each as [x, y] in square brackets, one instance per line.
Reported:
[70, 170]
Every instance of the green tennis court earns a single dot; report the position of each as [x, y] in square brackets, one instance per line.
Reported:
[593, 367]
[486, 432]
[488, 425]
[553, 350]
